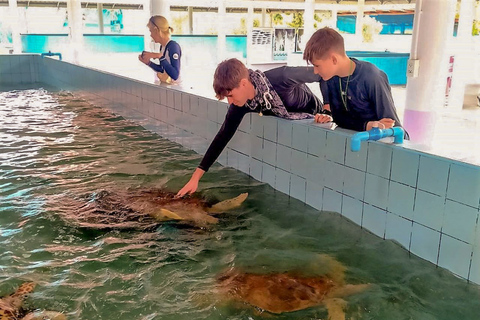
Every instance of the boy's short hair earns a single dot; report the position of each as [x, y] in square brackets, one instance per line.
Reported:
[322, 42]
[227, 77]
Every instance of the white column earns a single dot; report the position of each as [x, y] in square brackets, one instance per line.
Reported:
[308, 19]
[221, 36]
[147, 13]
[249, 32]
[100, 18]
[190, 20]
[14, 18]
[359, 23]
[75, 26]
[334, 18]
[160, 7]
[464, 56]
[264, 17]
[433, 27]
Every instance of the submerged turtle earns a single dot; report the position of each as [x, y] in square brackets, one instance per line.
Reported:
[11, 306]
[143, 208]
[291, 291]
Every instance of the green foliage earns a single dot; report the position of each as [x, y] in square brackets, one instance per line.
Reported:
[297, 21]
[242, 29]
[178, 23]
[371, 27]
[256, 23]
[316, 17]
[476, 28]
[277, 19]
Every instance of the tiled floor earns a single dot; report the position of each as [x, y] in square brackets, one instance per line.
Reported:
[456, 134]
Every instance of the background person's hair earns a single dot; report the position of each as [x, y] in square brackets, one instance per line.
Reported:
[227, 77]
[322, 42]
[161, 23]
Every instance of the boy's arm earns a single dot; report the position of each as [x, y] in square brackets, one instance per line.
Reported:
[229, 127]
[300, 74]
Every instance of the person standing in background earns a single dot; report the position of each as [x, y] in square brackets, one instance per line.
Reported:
[168, 68]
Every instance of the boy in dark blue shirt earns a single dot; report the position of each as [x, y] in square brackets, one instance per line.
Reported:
[358, 93]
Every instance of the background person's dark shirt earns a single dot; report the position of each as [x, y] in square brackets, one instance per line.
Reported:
[369, 97]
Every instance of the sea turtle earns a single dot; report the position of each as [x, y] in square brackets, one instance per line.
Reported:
[142, 208]
[281, 292]
[11, 306]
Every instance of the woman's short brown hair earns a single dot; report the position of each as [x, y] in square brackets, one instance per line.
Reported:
[322, 42]
[227, 77]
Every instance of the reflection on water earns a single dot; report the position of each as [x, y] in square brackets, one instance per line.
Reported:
[55, 146]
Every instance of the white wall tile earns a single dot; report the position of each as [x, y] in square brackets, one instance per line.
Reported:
[399, 229]
[433, 175]
[460, 221]
[425, 242]
[464, 184]
[428, 210]
[374, 220]
[352, 209]
[455, 256]
[401, 199]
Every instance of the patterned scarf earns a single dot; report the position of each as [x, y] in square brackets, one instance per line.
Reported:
[267, 100]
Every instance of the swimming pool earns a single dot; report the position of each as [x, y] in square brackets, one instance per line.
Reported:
[55, 143]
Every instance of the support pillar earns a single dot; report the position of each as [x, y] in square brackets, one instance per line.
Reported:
[190, 20]
[308, 20]
[249, 32]
[359, 23]
[15, 17]
[334, 18]
[264, 18]
[75, 32]
[464, 56]
[100, 18]
[221, 37]
[160, 7]
[433, 27]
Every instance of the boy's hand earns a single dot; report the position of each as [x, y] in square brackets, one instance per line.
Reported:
[189, 188]
[323, 118]
[385, 123]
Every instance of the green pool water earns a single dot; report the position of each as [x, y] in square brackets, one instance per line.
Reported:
[54, 145]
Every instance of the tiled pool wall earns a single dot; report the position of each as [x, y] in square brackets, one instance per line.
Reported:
[428, 204]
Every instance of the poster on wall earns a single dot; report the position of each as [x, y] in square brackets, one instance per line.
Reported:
[299, 41]
[284, 43]
[261, 49]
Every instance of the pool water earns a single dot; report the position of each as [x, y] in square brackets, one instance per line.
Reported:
[54, 144]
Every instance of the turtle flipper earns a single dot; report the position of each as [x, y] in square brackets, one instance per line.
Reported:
[41, 315]
[164, 214]
[15, 300]
[228, 204]
[335, 308]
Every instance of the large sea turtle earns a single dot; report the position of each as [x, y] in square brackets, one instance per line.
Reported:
[281, 292]
[142, 208]
[11, 306]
